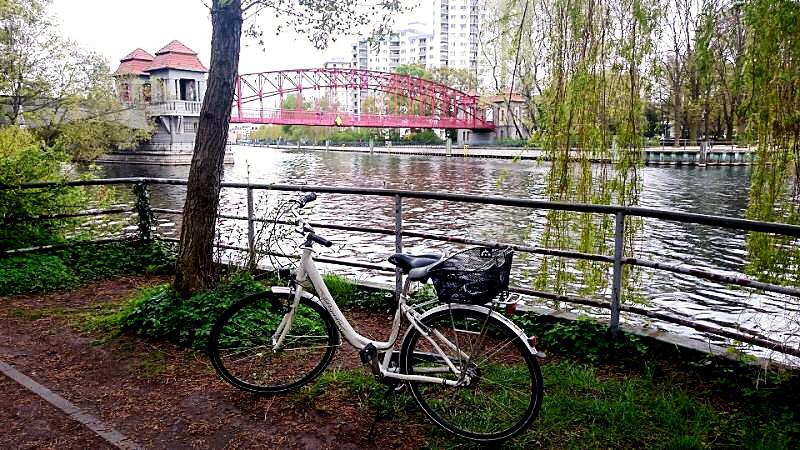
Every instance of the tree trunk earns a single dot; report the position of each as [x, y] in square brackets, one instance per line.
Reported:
[195, 269]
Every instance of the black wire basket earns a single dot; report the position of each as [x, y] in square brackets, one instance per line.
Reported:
[475, 276]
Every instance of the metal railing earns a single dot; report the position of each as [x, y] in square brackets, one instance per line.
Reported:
[618, 260]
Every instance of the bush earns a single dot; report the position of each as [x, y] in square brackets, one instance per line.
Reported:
[584, 339]
[62, 269]
[25, 159]
[348, 294]
[427, 137]
[34, 273]
[103, 261]
[160, 313]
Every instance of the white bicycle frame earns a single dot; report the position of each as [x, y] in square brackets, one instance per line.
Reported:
[307, 270]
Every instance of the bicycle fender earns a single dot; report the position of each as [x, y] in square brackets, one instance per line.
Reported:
[503, 319]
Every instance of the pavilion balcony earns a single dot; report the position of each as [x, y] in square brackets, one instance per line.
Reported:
[175, 108]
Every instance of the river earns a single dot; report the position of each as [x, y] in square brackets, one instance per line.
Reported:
[709, 190]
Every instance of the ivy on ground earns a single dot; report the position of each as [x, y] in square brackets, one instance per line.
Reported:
[160, 313]
[42, 272]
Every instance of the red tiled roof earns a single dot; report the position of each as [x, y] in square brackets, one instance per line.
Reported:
[135, 63]
[175, 55]
[138, 54]
[176, 47]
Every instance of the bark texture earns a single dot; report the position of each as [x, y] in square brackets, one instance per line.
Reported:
[195, 263]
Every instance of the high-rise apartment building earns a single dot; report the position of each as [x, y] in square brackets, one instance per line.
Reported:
[408, 45]
[451, 39]
[456, 26]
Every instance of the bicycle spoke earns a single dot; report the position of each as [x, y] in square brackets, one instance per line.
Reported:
[500, 397]
[243, 352]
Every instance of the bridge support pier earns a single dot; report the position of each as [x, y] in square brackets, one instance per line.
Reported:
[371, 146]
[703, 153]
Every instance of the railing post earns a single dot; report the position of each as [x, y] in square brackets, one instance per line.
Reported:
[616, 283]
[251, 231]
[398, 243]
[142, 208]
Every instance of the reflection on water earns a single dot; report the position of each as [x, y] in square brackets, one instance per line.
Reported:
[712, 190]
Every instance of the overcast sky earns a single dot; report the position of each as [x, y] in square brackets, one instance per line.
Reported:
[114, 28]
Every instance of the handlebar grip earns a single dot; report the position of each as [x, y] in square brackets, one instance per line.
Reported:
[308, 198]
[320, 240]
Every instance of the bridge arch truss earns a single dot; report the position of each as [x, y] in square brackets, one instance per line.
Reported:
[407, 101]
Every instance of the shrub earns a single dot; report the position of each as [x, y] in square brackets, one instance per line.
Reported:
[25, 159]
[160, 313]
[584, 339]
[34, 273]
[103, 261]
[348, 294]
[52, 271]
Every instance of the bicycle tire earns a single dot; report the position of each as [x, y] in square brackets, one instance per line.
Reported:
[253, 321]
[462, 410]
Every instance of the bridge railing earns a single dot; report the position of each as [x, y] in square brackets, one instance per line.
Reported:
[618, 259]
[351, 119]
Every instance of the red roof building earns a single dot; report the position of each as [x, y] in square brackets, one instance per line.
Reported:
[174, 55]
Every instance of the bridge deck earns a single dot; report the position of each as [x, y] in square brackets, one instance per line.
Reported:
[347, 119]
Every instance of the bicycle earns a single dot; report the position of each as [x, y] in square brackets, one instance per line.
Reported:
[470, 369]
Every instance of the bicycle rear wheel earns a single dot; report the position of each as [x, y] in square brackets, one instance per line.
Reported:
[505, 390]
[241, 344]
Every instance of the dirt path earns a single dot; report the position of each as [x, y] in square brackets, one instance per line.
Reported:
[159, 395]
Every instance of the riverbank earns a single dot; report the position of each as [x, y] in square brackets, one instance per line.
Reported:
[727, 155]
[165, 396]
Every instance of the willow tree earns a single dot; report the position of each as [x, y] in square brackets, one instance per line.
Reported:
[592, 126]
[321, 20]
[772, 73]
[584, 66]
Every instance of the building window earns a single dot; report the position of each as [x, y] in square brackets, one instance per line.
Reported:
[125, 92]
[146, 92]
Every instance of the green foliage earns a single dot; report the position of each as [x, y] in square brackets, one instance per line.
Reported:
[25, 159]
[593, 109]
[348, 294]
[336, 136]
[774, 117]
[34, 273]
[160, 313]
[86, 140]
[364, 390]
[584, 339]
[93, 262]
[426, 137]
[62, 269]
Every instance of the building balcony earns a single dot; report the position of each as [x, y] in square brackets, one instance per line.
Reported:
[175, 108]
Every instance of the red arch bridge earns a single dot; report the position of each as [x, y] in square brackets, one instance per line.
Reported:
[341, 97]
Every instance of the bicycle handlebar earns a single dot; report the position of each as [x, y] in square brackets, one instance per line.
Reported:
[303, 226]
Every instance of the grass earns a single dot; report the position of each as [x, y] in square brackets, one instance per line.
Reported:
[585, 407]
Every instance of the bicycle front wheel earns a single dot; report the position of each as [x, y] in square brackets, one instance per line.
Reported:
[242, 349]
[501, 389]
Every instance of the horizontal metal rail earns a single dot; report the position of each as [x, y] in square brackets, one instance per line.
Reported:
[17, 251]
[88, 213]
[652, 213]
[619, 260]
[318, 258]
